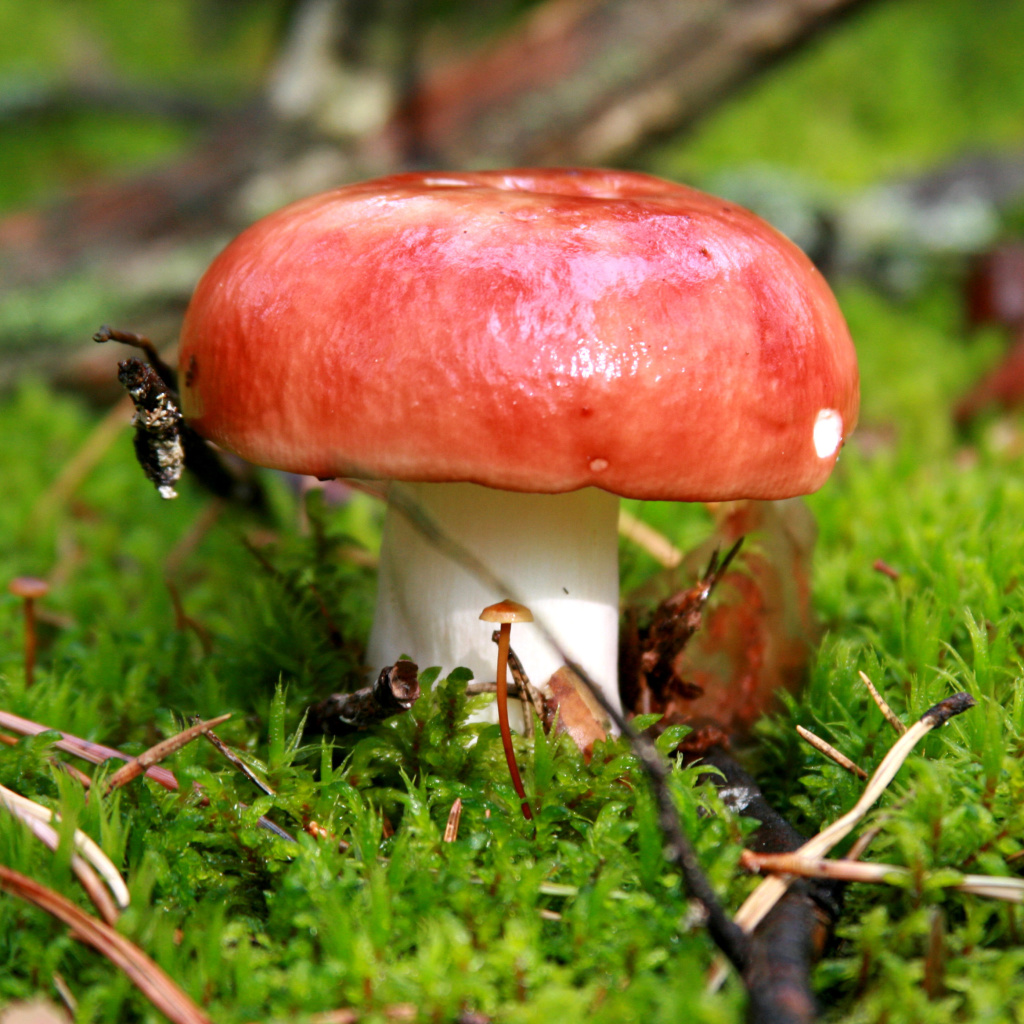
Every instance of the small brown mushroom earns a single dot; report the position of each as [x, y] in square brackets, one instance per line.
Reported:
[29, 589]
[505, 613]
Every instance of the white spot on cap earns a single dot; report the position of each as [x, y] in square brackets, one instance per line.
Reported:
[828, 433]
[598, 465]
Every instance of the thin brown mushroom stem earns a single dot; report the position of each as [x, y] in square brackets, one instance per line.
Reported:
[28, 588]
[504, 613]
[31, 641]
[506, 732]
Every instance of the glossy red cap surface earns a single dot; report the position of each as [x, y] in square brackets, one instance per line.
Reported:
[533, 330]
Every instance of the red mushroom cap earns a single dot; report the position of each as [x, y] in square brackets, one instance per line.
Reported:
[531, 330]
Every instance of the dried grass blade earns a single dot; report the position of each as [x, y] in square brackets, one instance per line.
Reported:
[887, 712]
[992, 886]
[152, 982]
[135, 767]
[82, 463]
[771, 890]
[84, 844]
[231, 756]
[95, 753]
[644, 536]
[451, 830]
[829, 751]
[768, 893]
[88, 878]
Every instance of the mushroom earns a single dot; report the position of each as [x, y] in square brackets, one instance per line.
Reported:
[30, 589]
[505, 613]
[520, 348]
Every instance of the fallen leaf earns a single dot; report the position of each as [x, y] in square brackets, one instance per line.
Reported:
[579, 714]
[740, 635]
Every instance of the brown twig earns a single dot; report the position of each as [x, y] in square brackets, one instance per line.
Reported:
[183, 621]
[152, 982]
[313, 828]
[137, 765]
[478, 689]
[192, 537]
[140, 341]
[97, 753]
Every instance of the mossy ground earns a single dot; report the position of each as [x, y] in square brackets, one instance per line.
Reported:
[584, 922]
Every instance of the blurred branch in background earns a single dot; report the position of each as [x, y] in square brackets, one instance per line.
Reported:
[337, 90]
[353, 91]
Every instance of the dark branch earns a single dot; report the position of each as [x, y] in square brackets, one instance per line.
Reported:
[787, 943]
[949, 708]
[140, 341]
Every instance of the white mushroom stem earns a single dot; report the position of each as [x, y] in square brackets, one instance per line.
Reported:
[557, 553]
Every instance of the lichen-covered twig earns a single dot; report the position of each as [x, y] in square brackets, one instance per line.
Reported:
[395, 691]
[165, 444]
[158, 425]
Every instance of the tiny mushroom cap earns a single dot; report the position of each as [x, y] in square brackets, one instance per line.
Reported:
[506, 611]
[520, 348]
[28, 587]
